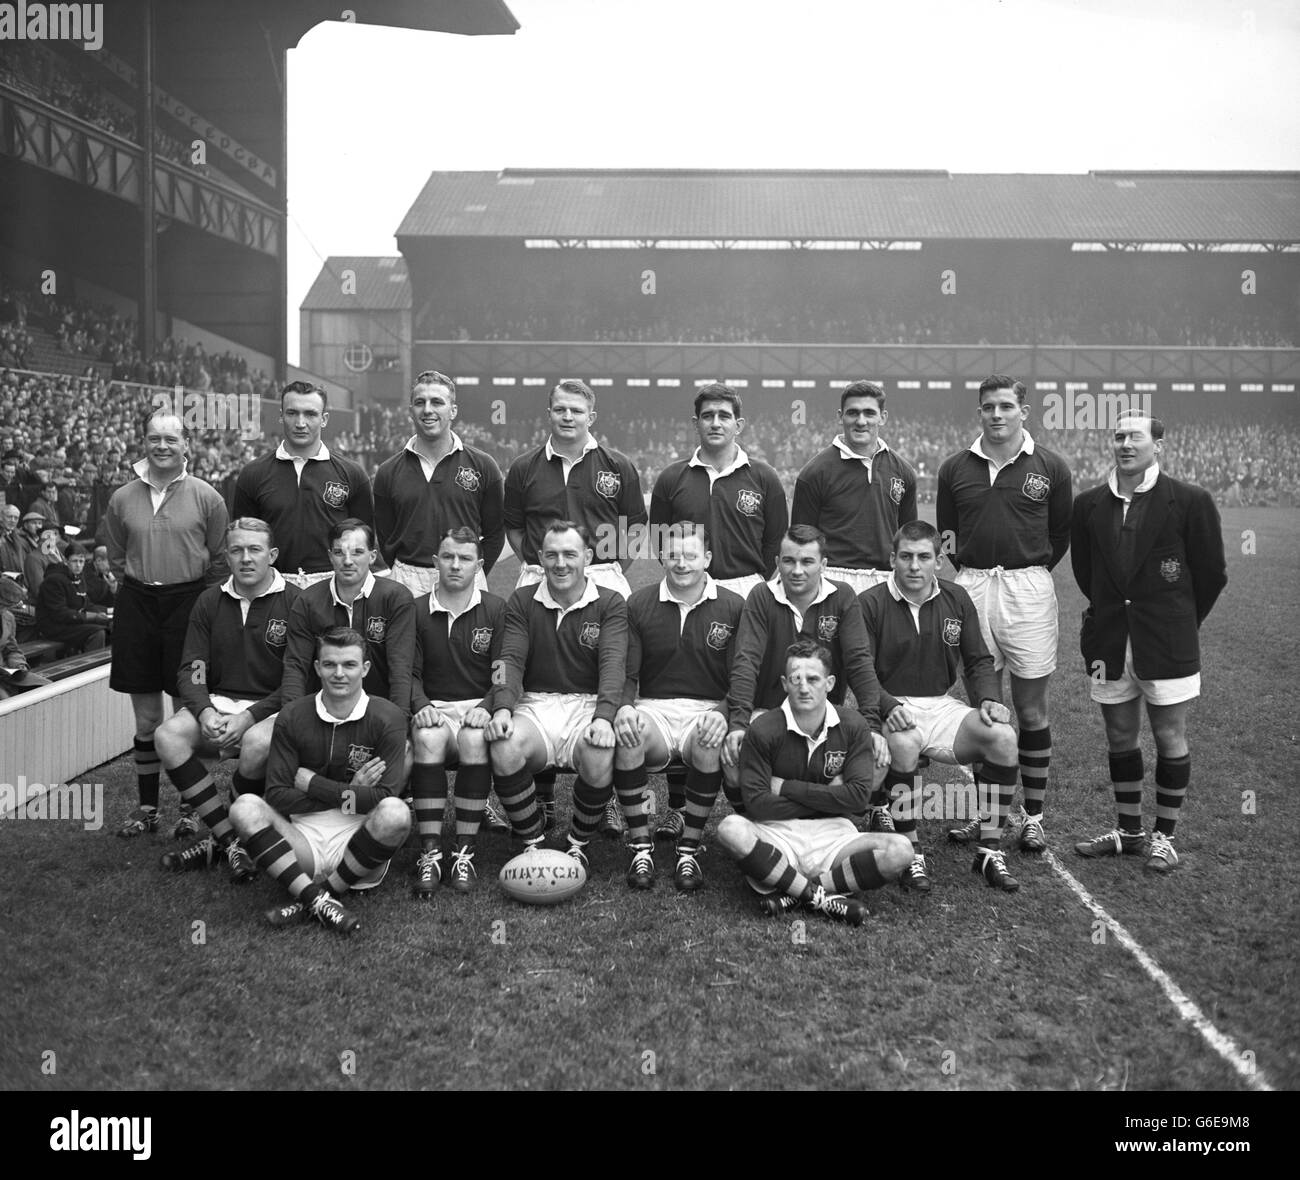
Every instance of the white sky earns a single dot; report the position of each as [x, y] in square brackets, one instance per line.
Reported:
[962, 85]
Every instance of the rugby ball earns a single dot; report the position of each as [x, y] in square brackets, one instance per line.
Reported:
[542, 876]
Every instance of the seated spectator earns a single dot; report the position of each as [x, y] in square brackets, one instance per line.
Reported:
[15, 675]
[65, 612]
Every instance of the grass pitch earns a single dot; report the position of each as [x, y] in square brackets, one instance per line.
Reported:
[134, 978]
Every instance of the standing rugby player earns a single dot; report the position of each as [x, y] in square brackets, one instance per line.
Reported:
[1148, 555]
[857, 491]
[302, 490]
[166, 538]
[1004, 513]
[433, 484]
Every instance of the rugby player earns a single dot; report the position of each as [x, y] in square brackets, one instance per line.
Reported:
[229, 679]
[857, 491]
[1004, 513]
[457, 640]
[805, 768]
[1148, 555]
[920, 628]
[331, 820]
[381, 609]
[681, 642]
[564, 659]
[302, 490]
[433, 484]
[166, 538]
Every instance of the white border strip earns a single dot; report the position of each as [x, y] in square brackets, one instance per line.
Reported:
[1224, 1046]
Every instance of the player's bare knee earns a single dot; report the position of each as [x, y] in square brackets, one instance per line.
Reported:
[390, 818]
[628, 759]
[430, 744]
[904, 748]
[736, 834]
[594, 764]
[472, 747]
[248, 814]
[894, 857]
[1002, 745]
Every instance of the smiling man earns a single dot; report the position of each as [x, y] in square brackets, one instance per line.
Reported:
[331, 820]
[857, 491]
[1148, 555]
[301, 489]
[1003, 509]
[166, 538]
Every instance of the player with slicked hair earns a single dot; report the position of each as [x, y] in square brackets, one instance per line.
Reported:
[166, 537]
[302, 489]
[1148, 555]
[435, 483]
[1003, 509]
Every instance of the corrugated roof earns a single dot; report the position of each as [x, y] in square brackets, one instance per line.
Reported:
[1114, 206]
[381, 284]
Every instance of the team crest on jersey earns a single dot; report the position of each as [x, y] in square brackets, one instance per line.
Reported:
[1171, 569]
[480, 640]
[748, 502]
[719, 636]
[376, 628]
[896, 489]
[277, 632]
[335, 494]
[834, 762]
[358, 756]
[469, 479]
[609, 484]
[589, 636]
[952, 632]
[1036, 487]
[827, 626]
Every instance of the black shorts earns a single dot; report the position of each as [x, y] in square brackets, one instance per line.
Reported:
[149, 625]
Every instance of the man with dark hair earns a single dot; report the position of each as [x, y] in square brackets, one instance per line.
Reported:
[805, 768]
[564, 660]
[739, 500]
[436, 483]
[1148, 555]
[1004, 514]
[802, 603]
[921, 627]
[166, 538]
[573, 477]
[301, 489]
[331, 820]
[857, 491]
[457, 640]
[681, 644]
[230, 678]
[380, 609]
[65, 611]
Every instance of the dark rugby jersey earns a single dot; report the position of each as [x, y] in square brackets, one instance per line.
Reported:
[775, 748]
[456, 664]
[413, 513]
[233, 657]
[305, 736]
[768, 627]
[603, 486]
[301, 514]
[925, 663]
[744, 511]
[859, 511]
[667, 658]
[586, 653]
[385, 616]
[1023, 519]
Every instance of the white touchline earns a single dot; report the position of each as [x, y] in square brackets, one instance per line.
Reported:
[1224, 1046]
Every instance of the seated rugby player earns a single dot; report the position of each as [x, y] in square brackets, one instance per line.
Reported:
[921, 627]
[805, 769]
[331, 820]
[457, 639]
[380, 609]
[681, 639]
[229, 680]
[563, 660]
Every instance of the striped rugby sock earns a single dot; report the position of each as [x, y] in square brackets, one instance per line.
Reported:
[364, 853]
[768, 866]
[588, 809]
[996, 786]
[271, 853]
[520, 802]
[198, 789]
[429, 793]
[1035, 758]
[853, 874]
[1173, 775]
[147, 771]
[702, 789]
[629, 786]
[473, 782]
[1126, 774]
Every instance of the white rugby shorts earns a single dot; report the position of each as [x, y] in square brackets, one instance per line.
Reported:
[327, 834]
[811, 845]
[1018, 617]
[561, 718]
[676, 719]
[1129, 687]
[937, 721]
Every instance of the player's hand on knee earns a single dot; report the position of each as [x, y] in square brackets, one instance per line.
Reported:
[427, 718]
[711, 731]
[992, 713]
[628, 727]
[477, 718]
[212, 724]
[880, 744]
[501, 726]
[370, 774]
[731, 747]
[900, 718]
[600, 735]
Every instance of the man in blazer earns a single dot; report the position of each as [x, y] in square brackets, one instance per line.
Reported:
[1148, 555]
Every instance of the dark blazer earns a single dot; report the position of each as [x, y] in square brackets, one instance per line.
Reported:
[1178, 573]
